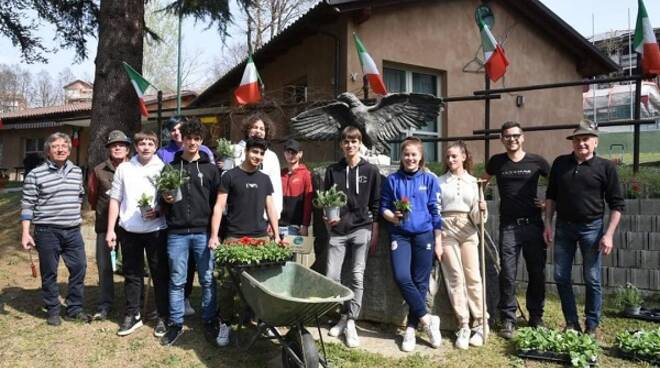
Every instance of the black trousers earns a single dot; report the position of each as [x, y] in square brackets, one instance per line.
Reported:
[528, 237]
[133, 246]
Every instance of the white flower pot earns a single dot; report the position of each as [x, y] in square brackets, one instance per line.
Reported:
[332, 213]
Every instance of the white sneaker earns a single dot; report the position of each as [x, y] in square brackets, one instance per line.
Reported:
[350, 333]
[223, 335]
[409, 340]
[189, 310]
[478, 338]
[433, 332]
[463, 338]
[338, 329]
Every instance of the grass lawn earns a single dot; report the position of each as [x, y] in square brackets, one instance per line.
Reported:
[26, 340]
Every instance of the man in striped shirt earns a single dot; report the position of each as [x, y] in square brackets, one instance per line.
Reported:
[52, 197]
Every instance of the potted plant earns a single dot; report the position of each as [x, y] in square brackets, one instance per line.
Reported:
[170, 181]
[331, 201]
[248, 251]
[225, 150]
[629, 298]
[404, 206]
[144, 203]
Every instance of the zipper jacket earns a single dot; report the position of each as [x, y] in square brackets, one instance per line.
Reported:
[297, 196]
[422, 190]
[193, 213]
[362, 187]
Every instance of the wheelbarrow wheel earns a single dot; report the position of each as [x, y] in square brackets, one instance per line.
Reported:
[310, 357]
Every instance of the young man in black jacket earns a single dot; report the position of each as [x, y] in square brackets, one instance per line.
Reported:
[188, 222]
[358, 227]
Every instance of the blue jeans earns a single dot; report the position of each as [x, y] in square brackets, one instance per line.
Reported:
[412, 260]
[53, 242]
[289, 230]
[179, 247]
[568, 235]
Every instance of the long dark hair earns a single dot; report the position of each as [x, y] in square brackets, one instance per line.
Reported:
[253, 118]
[412, 141]
[467, 165]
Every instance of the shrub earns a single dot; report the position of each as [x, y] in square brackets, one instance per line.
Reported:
[330, 198]
[628, 296]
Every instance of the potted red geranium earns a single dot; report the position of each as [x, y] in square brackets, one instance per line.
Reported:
[404, 206]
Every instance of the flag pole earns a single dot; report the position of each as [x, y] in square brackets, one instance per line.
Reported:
[159, 115]
[482, 233]
[178, 65]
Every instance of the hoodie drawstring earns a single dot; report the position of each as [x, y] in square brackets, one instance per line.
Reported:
[357, 178]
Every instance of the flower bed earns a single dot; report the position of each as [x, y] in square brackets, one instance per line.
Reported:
[568, 347]
[247, 251]
[639, 345]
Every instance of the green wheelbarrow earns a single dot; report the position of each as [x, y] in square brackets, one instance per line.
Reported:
[289, 295]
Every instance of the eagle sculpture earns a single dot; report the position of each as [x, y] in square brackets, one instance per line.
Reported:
[380, 123]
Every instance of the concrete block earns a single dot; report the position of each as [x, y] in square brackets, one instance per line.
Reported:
[611, 259]
[640, 278]
[645, 223]
[654, 241]
[636, 240]
[648, 207]
[626, 258]
[549, 274]
[616, 276]
[576, 275]
[648, 259]
[654, 280]
[632, 207]
[577, 260]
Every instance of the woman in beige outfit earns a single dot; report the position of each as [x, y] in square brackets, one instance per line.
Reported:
[460, 206]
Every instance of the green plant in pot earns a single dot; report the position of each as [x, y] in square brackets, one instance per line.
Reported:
[629, 299]
[144, 203]
[331, 201]
[170, 181]
[225, 151]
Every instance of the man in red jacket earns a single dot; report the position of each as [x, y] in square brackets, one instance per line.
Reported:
[297, 192]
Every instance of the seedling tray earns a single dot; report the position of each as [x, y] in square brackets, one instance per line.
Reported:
[652, 315]
[547, 356]
[654, 361]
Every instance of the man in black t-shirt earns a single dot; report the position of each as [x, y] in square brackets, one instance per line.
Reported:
[521, 225]
[246, 192]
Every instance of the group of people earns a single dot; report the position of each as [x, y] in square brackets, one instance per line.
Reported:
[429, 219]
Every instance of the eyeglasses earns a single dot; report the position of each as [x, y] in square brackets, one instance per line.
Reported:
[510, 137]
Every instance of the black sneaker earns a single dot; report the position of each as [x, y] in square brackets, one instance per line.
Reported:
[173, 333]
[54, 320]
[210, 332]
[574, 326]
[78, 317]
[101, 314]
[130, 324]
[536, 322]
[161, 328]
[592, 331]
[508, 327]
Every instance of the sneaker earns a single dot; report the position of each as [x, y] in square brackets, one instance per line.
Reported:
[592, 331]
[189, 310]
[463, 338]
[409, 340]
[210, 331]
[478, 338]
[573, 326]
[507, 329]
[54, 320]
[536, 322]
[350, 333]
[172, 334]
[339, 328]
[433, 332]
[101, 314]
[130, 324]
[161, 328]
[223, 335]
[78, 317]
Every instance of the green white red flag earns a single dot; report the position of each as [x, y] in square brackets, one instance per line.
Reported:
[369, 68]
[495, 60]
[249, 92]
[140, 84]
[645, 42]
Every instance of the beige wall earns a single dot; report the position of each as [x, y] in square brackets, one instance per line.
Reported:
[444, 37]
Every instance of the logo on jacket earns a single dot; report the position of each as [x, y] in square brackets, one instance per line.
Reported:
[362, 179]
[422, 187]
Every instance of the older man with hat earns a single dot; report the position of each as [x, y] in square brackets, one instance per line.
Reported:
[99, 184]
[580, 184]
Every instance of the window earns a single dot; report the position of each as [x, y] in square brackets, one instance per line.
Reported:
[34, 145]
[401, 79]
[296, 92]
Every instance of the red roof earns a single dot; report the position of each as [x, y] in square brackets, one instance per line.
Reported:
[48, 110]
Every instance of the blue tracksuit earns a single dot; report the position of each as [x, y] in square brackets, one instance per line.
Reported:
[413, 241]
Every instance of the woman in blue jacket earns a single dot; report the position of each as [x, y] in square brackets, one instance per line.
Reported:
[415, 236]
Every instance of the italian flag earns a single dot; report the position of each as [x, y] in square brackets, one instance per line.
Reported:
[369, 68]
[248, 92]
[494, 59]
[140, 84]
[645, 42]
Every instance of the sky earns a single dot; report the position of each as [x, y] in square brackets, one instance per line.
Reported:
[608, 15]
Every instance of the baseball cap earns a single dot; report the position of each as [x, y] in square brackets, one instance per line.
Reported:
[292, 145]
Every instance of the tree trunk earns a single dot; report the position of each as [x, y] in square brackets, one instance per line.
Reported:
[114, 103]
